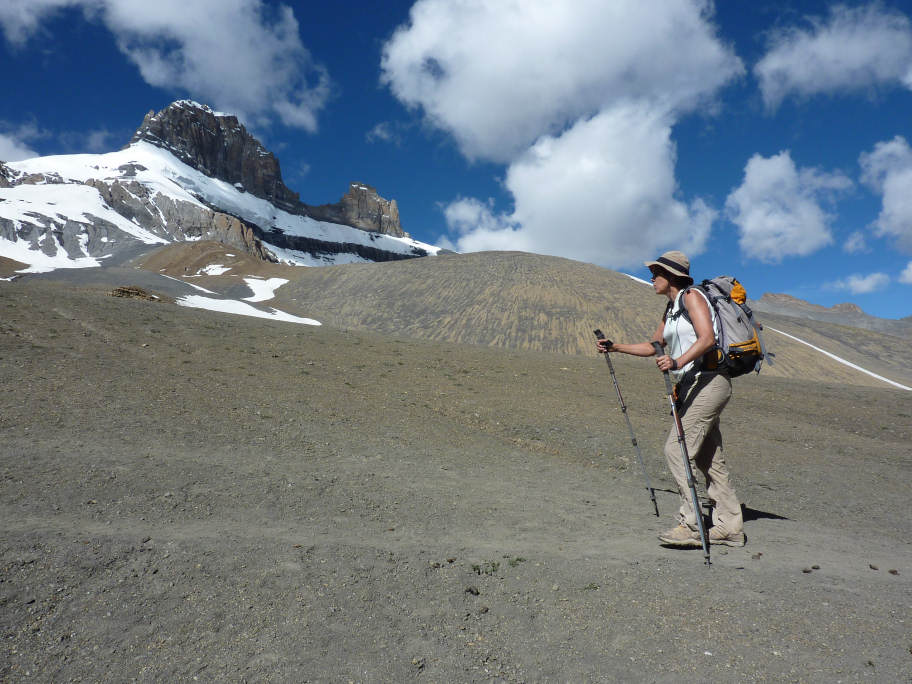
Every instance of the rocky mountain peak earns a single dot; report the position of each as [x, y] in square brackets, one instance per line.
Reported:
[362, 207]
[782, 298]
[847, 307]
[6, 175]
[790, 302]
[218, 145]
[841, 314]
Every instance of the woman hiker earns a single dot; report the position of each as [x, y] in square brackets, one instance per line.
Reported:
[701, 395]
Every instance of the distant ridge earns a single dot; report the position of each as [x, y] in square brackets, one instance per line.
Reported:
[841, 314]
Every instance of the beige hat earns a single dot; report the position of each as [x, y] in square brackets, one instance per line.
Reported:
[675, 263]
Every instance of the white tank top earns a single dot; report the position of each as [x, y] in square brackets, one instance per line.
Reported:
[679, 333]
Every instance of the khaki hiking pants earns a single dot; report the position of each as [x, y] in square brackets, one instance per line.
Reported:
[700, 409]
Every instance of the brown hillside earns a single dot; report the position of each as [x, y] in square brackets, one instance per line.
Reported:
[515, 300]
[529, 301]
[505, 299]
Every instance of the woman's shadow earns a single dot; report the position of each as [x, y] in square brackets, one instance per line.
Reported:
[753, 514]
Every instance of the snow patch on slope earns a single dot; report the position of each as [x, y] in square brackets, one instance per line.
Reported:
[840, 360]
[233, 306]
[38, 261]
[263, 290]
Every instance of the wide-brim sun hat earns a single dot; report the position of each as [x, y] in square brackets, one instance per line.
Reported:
[675, 263]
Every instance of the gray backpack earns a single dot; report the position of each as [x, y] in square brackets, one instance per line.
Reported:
[739, 345]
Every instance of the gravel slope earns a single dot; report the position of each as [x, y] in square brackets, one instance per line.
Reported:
[193, 495]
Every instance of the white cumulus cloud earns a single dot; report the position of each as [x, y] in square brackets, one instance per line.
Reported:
[20, 19]
[887, 170]
[385, 131]
[15, 141]
[604, 191]
[12, 149]
[906, 275]
[777, 207]
[578, 99]
[855, 243]
[498, 75]
[863, 284]
[855, 48]
[241, 56]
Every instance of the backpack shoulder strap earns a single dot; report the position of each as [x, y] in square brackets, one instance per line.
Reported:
[682, 311]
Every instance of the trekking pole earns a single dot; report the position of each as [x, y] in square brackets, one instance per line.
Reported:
[636, 445]
[698, 512]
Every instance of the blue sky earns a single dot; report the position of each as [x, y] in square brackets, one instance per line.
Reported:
[769, 140]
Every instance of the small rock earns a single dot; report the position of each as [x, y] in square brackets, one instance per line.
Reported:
[893, 572]
[806, 570]
[815, 567]
[472, 590]
[873, 567]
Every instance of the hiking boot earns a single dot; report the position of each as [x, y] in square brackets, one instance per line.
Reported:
[717, 536]
[681, 536]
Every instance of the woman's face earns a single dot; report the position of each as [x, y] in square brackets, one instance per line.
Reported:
[660, 280]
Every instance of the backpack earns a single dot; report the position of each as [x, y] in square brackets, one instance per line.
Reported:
[739, 346]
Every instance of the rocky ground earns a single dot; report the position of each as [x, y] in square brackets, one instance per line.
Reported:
[188, 495]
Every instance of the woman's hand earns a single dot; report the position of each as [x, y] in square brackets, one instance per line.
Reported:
[666, 363]
[604, 345]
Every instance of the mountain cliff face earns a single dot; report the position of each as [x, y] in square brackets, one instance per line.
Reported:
[220, 147]
[361, 207]
[188, 174]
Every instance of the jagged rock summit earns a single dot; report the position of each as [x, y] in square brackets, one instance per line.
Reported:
[219, 146]
[361, 207]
